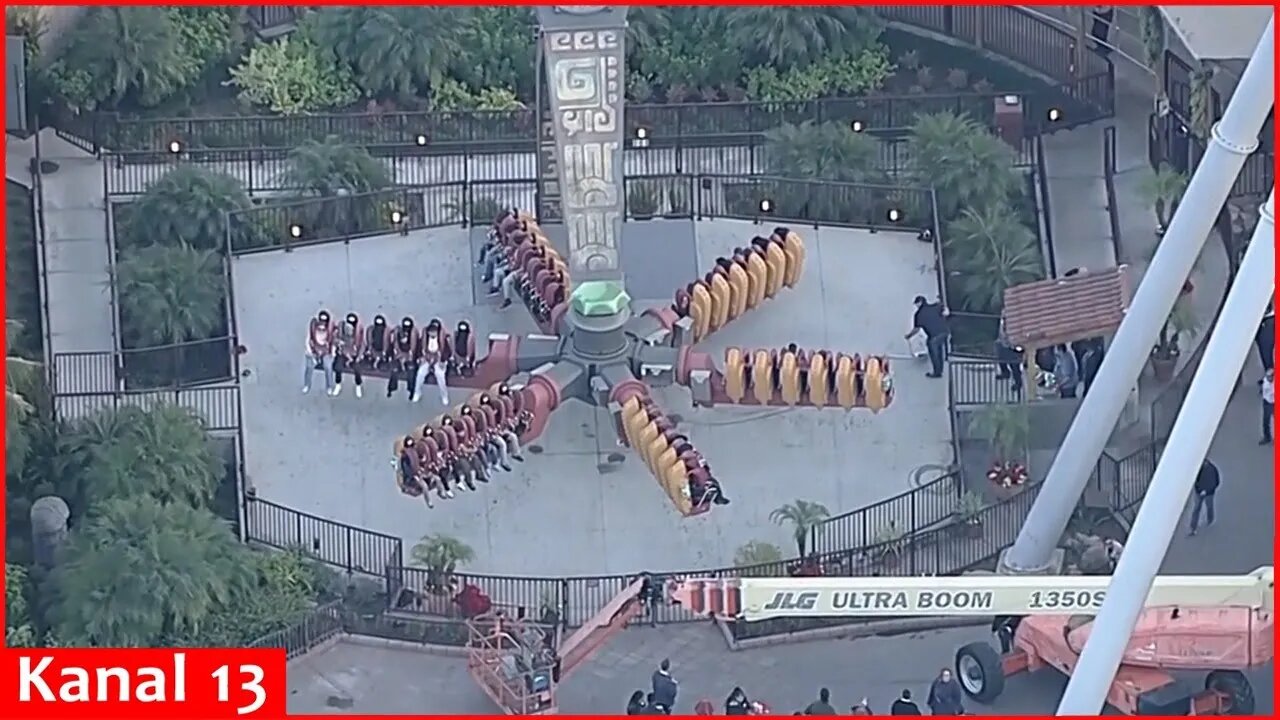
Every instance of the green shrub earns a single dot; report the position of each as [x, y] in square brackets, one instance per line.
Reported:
[292, 77]
[140, 55]
[453, 96]
[833, 76]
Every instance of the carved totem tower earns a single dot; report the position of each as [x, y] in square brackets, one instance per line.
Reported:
[583, 49]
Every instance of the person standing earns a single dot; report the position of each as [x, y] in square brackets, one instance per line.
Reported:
[636, 705]
[1066, 373]
[945, 696]
[904, 705]
[665, 688]
[1207, 481]
[821, 706]
[1267, 386]
[931, 319]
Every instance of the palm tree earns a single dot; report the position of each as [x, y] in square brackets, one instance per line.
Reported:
[138, 572]
[190, 205]
[991, 250]
[1006, 426]
[826, 151]
[171, 294]
[114, 53]
[795, 35]
[331, 168]
[962, 160]
[163, 452]
[441, 555]
[803, 516]
[396, 51]
[1163, 188]
[647, 26]
[497, 49]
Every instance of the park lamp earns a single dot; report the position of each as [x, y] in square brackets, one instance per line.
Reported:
[766, 206]
[857, 126]
[894, 215]
[175, 147]
[398, 222]
[1054, 115]
[420, 140]
[641, 139]
[295, 231]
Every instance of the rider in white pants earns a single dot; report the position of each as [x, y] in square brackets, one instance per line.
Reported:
[435, 355]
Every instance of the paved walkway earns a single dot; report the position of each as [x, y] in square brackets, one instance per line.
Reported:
[81, 315]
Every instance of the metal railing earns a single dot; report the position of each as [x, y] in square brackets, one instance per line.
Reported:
[193, 363]
[219, 406]
[910, 512]
[345, 547]
[426, 133]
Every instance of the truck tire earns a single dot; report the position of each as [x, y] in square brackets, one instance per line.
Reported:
[1236, 687]
[980, 671]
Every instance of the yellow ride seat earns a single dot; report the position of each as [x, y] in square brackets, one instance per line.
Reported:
[873, 384]
[762, 376]
[819, 380]
[720, 301]
[700, 310]
[846, 390]
[793, 247]
[789, 378]
[735, 381]
[776, 262]
[739, 288]
[757, 279]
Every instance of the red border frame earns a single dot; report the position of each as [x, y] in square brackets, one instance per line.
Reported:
[1276, 671]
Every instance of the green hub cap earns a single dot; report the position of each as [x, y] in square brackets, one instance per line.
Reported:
[599, 298]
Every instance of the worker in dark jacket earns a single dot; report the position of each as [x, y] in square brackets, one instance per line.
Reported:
[1207, 481]
[665, 688]
[821, 706]
[945, 696]
[904, 705]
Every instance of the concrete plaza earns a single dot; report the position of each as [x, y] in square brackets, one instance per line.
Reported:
[557, 513]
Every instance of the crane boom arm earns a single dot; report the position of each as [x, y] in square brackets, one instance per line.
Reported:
[754, 599]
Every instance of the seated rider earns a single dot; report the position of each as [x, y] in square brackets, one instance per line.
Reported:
[319, 351]
[408, 468]
[463, 468]
[463, 359]
[431, 463]
[434, 355]
[501, 426]
[404, 356]
[377, 344]
[349, 348]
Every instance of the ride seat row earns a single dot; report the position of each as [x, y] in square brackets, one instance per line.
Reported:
[819, 378]
[741, 282]
[678, 467]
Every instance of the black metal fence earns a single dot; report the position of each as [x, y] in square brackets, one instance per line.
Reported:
[219, 406]
[345, 547]
[978, 382]
[907, 513]
[665, 126]
[1084, 87]
[266, 171]
[180, 365]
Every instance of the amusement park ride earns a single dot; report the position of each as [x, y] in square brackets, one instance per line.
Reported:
[593, 348]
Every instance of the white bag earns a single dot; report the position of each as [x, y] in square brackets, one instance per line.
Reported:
[918, 346]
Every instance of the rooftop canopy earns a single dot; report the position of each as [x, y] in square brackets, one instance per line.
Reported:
[1063, 310]
[1218, 32]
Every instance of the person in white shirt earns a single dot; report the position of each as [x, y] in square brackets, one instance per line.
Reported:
[1267, 385]
[435, 360]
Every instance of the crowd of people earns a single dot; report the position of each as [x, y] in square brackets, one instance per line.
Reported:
[945, 697]
[463, 449]
[518, 261]
[404, 353]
